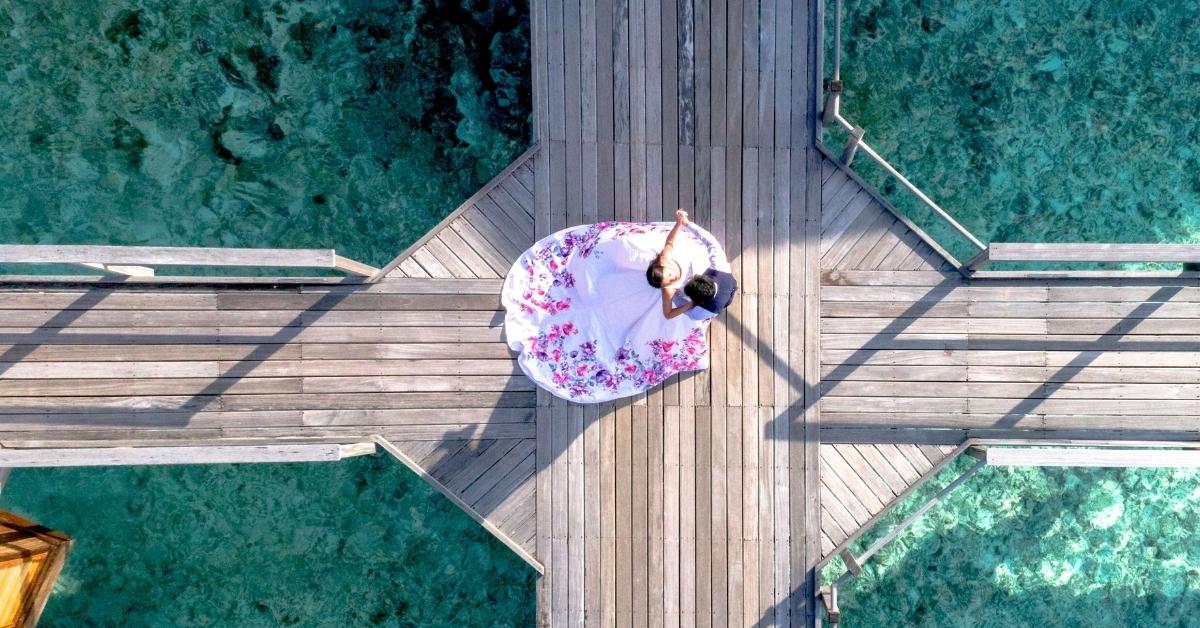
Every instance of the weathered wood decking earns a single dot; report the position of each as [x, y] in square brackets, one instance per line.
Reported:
[415, 360]
[696, 504]
[708, 500]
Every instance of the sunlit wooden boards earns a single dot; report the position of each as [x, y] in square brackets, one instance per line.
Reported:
[679, 507]
[919, 354]
[860, 481]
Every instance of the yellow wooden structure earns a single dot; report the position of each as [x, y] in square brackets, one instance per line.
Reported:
[31, 557]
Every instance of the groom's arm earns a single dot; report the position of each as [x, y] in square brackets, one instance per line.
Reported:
[668, 295]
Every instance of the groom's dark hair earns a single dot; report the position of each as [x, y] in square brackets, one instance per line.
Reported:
[701, 289]
[654, 274]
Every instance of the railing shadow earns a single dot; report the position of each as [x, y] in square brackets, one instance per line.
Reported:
[176, 414]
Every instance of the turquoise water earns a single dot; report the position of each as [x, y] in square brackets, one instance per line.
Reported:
[1033, 120]
[1038, 547]
[362, 542]
[1045, 122]
[353, 124]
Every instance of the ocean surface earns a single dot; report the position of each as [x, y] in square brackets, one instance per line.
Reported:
[1044, 122]
[352, 124]
[1071, 121]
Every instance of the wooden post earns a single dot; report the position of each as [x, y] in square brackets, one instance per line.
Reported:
[980, 260]
[852, 144]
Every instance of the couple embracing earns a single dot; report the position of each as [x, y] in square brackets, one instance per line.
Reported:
[607, 310]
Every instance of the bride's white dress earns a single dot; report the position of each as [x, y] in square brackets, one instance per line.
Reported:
[588, 326]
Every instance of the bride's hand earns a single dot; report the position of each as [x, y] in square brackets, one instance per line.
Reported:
[681, 217]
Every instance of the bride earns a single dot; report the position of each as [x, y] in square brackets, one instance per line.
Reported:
[594, 311]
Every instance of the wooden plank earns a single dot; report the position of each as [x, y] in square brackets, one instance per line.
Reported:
[884, 248]
[687, 501]
[639, 551]
[460, 479]
[899, 462]
[431, 265]
[123, 456]
[720, 518]
[524, 173]
[448, 259]
[107, 299]
[594, 524]
[485, 250]
[575, 515]
[521, 193]
[380, 351]
[623, 515]
[509, 499]
[843, 230]
[512, 471]
[608, 515]
[559, 513]
[655, 500]
[842, 493]
[555, 51]
[588, 70]
[1089, 252]
[507, 211]
[751, 511]
[1091, 457]
[876, 473]
[704, 491]
[858, 239]
[494, 224]
[980, 393]
[165, 256]
[840, 522]
[766, 516]
[671, 516]
[806, 29]
[735, 506]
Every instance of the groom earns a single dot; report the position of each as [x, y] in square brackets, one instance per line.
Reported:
[705, 295]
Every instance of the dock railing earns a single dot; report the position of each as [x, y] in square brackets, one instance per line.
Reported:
[1186, 254]
[124, 264]
[983, 254]
[831, 115]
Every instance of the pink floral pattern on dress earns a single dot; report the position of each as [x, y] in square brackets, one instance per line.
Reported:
[579, 372]
[547, 266]
[571, 350]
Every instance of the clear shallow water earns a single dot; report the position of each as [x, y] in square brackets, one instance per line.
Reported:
[1033, 121]
[353, 124]
[1038, 547]
[1044, 122]
[357, 543]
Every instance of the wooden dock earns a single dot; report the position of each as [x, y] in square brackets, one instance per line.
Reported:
[851, 367]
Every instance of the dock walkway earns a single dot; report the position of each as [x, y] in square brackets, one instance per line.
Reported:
[851, 367]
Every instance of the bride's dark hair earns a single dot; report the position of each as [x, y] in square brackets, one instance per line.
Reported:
[701, 289]
[654, 274]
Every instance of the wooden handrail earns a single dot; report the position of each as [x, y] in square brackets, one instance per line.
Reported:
[1085, 252]
[140, 260]
[225, 454]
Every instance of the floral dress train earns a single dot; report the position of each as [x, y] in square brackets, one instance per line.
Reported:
[587, 325]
